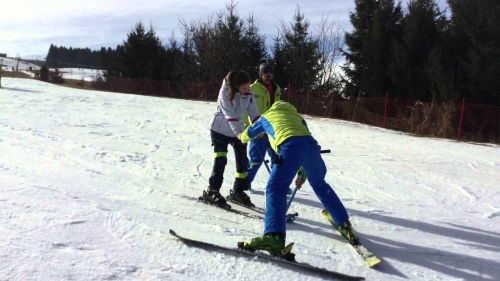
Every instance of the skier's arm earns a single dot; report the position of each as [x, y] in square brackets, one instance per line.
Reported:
[252, 131]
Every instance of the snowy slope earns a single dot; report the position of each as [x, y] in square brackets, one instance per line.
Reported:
[81, 73]
[10, 64]
[90, 183]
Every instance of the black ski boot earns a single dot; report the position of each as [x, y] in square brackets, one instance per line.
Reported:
[238, 195]
[214, 197]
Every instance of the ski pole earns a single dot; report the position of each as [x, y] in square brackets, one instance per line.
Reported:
[291, 198]
[267, 166]
[291, 217]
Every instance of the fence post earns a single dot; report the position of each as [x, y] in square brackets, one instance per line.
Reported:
[385, 108]
[330, 105]
[460, 123]
[289, 91]
[307, 102]
[355, 106]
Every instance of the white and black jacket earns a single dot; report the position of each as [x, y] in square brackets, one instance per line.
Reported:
[229, 117]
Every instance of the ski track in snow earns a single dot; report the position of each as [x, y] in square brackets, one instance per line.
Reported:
[90, 183]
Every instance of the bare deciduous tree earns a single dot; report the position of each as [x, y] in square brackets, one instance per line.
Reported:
[329, 37]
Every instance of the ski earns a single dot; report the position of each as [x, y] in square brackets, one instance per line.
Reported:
[281, 261]
[368, 257]
[290, 218]
[229, 209]
[250, 207]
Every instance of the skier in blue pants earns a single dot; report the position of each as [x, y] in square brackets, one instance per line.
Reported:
[289, 136]
[296, 152]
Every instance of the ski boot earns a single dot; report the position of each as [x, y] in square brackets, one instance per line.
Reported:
[238, 195]
[345, 230]
[272, 243]
[212, 196]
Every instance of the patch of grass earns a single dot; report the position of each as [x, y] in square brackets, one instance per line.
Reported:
[13, 74]
[78, 84]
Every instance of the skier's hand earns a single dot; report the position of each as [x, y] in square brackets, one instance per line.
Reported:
[301, 177]
[299, 182]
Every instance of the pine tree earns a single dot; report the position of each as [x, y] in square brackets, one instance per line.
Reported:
[376, 23]
[173, 56]
[44, 73]
[218, 46]
[142, 54]
[422, 31]
[187, 67]
[475, 27]
[255, 49]
[297, 53]
[281, 70]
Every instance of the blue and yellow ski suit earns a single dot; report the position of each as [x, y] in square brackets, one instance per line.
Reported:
[289, 136]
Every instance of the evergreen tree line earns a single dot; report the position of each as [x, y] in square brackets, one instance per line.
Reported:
[213, 46]
[61, 57]
[422, 53]
[413, 52]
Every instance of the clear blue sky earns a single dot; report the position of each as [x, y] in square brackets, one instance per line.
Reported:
[28, 27]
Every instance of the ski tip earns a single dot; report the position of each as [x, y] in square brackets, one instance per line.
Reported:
[171, 231]
[373, 262]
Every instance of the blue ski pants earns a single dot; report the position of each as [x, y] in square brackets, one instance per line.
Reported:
[293, 153]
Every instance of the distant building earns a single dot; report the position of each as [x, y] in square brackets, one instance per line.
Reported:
[3, 55]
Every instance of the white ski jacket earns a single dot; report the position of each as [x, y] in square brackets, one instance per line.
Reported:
[230, 115]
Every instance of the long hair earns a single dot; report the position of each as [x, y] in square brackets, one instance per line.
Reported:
[234, 80]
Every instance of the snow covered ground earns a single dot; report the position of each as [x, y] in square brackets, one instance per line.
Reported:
[81, 73]
[90, 183]
[9, 63]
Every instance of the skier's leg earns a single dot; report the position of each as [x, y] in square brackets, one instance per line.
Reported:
[290, 159]
[220, 143]
[212, 194]
[241, 182]
[240, 152]
[291, 156]
[316, 171]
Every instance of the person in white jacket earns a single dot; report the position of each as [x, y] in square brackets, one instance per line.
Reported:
[234, 102]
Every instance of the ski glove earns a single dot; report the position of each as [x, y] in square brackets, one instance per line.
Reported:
[301, 178]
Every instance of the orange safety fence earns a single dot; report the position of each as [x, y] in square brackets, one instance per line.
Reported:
[447, 120]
